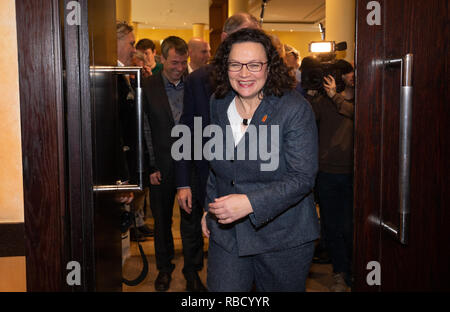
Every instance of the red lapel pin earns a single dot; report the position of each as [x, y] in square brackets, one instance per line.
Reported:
[264, 118]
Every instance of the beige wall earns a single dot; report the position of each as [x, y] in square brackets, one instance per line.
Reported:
[298, 39]
[160, 34]
[11, 186]
[237, 6]
[13, 274]
[123, 10]
[340, 25]
[12, 269]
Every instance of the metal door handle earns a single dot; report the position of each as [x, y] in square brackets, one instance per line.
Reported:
[401, 232]
[119, 186]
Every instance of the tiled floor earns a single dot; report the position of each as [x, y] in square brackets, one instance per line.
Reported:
[319, 280]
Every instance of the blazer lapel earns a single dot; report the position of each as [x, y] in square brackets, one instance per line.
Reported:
[261, 116]
[263, 113]
[222, 108]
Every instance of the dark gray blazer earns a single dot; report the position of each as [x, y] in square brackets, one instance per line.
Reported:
[160, 118]
[284, 214]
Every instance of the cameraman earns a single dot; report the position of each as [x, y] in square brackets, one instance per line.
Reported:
[344, 101]
[334, 115]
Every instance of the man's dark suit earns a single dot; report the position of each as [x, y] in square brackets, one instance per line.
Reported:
[194, 173]
[161, 121]
[197, 92]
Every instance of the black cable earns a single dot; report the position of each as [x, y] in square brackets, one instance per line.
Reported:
[144, 271]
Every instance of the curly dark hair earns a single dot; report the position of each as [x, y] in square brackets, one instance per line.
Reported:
[280, 78]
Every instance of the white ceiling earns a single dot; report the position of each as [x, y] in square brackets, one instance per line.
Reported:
[172, 14]
[287, 15]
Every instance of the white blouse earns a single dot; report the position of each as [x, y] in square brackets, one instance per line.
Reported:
[236, 122]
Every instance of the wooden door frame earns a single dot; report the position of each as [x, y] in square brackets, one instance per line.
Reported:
[56, 141]
[218, 13]
[80, 201]
[367, 149]
[43, 142]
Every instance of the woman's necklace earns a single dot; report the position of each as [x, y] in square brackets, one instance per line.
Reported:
[242, 112]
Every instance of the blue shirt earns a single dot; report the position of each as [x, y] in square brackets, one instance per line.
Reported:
[175, 96]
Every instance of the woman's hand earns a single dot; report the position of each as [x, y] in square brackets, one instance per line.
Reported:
[330, 86]
[230, 208]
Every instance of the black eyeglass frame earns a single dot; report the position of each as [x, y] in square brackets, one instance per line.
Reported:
[246, 65]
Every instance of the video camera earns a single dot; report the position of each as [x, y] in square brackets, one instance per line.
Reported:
[315, 68]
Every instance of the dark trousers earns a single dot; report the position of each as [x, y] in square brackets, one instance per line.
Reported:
[161, 203]
[284, 270]
[191, 231]
[335, 192]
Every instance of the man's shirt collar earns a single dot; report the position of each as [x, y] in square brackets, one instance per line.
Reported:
[167, 83]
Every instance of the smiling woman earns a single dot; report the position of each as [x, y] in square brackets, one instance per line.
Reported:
[279, 77]
[261, 226]
[247, 69]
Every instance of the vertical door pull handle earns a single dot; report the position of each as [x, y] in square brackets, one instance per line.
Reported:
[139, 117]
[401, 233]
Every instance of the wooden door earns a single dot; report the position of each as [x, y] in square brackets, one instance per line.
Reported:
[218, 13]
[92, 140]
[64, 220]
[43, 156]
[389, 30]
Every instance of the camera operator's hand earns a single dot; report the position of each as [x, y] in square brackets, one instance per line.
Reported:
[329, 85]
[155, 178]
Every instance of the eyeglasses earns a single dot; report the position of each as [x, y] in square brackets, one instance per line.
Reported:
[251, 67]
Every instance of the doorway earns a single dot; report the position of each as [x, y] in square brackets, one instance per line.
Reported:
[58, 205]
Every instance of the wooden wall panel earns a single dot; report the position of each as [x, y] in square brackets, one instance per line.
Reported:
[42, 119]
[218, 13]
